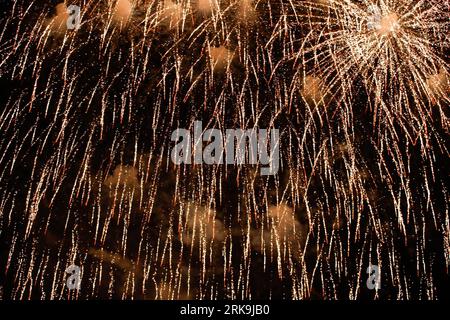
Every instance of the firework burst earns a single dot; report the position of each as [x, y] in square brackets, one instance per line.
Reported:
[359, 90]
[395, 50]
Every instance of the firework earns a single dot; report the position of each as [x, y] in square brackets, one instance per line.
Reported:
[358, 89]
